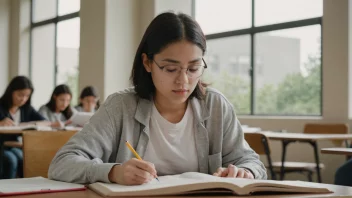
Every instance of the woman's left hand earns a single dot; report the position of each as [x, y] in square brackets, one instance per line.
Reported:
[68, 122]
[233, 171]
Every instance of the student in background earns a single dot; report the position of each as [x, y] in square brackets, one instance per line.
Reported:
[58, 110]
[173, 120]
[343, 175]
[15, 108]
[88, 100]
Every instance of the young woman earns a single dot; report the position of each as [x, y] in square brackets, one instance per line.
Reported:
[175, 123]
[58, 110]
[88, 100]
[15, 108]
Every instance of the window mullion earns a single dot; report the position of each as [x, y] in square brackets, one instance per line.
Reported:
[252, 69]
[55, 47]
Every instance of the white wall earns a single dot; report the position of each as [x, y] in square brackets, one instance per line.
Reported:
[4, 44]
[122, 38]
[19, 37]
[92, 44]
[151, 8]
[184, 6]
[350, 56]
[109, 40]
[147, 13]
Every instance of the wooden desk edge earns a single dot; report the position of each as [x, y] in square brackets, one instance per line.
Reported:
[336, 151]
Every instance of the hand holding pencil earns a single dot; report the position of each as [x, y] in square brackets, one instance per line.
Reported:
[133, 172]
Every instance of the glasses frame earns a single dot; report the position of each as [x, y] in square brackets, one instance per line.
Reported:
[162, 68]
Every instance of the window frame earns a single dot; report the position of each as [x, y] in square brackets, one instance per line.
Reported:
[55, 21]
[267, 28]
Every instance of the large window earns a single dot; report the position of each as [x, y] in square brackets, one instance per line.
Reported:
[264, 55]
[55, 38]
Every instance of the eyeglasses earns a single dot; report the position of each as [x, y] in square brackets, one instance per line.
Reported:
[193, 71]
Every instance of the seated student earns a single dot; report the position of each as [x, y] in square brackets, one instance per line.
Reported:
[343, 175]
[15, 107]
[58, 110]
[88, 100]
[175, 123]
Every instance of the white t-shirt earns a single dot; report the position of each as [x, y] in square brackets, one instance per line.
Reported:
[58, 116]
[17, 117]
[171, 147]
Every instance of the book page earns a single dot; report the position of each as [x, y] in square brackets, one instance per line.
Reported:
[26, 127]
[11, 128]
[34, 184]
[164, 181]
[189, 178]
[250, 185]
[80, 118]
[72, 128]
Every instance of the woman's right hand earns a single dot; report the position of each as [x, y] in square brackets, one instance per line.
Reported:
[7, 122]
[133, 172]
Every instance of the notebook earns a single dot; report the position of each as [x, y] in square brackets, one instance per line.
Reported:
[35, 185]
[190, 183]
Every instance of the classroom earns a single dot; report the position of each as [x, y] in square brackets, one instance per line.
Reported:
[94, 91]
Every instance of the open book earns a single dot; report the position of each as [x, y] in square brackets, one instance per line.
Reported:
[192, 182]
[35, 185]
[26, 127]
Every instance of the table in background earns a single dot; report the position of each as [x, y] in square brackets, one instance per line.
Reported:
[337, 151]
[287, 138]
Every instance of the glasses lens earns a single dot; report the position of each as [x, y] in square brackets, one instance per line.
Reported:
[195, 71]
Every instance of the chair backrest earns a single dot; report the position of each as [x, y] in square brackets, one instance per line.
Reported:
[39, 148]
[260, 144]
[339, 128]
[256, 142]
[326, 128]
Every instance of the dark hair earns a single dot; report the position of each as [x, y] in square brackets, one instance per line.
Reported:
[17, 83]
[89, 91]
[165, 29]
[60, 89]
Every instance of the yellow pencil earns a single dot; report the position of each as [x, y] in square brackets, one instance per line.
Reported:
[135, 153]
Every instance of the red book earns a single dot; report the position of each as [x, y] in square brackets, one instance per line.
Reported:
[35, 185]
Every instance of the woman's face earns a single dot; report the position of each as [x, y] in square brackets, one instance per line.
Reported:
[20, 97]
[89, 103]
[172, 83]
[62, 101]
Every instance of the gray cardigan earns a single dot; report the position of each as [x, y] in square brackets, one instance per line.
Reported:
[91, 153]
[50, 115]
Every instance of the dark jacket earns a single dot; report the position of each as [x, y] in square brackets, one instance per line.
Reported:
[28, 114]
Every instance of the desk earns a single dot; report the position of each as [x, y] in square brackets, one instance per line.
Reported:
[312, 139]
[337, 151]
[340, 191]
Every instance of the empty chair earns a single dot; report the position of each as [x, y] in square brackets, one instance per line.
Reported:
[39, 148]
[260, 144]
